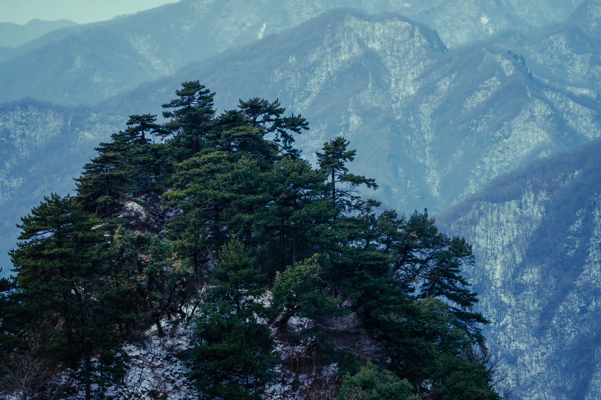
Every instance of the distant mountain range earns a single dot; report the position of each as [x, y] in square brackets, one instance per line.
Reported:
[434, 125]
[13, 35]
[89, 63]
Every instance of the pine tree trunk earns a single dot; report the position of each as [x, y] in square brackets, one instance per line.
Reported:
[88, 379]
[334, 188]
[282, 242]
[294, 230]
[160, 330]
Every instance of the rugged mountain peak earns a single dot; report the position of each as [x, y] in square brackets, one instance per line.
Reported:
[402, 48]
[160, 41]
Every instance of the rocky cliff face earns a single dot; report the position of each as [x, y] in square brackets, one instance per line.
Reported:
[565, 55]
[537, 238]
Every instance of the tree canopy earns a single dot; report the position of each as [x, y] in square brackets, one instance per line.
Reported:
[222, 213]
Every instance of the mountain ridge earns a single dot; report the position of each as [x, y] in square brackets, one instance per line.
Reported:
[149, 37]
[14, 35]
[414, 105]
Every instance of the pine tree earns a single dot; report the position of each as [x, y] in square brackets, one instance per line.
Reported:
[127, 166]
[431, 261]
[105, 179]
[332, 161]
[243, 206]
[64, 287]
[372, 384]
[301, 291]
[191, 119]
[233, 355]
[269, 116]
[291, 213]
[162, 280]
[9, 342]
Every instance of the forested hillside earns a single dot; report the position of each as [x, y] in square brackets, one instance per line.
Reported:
[439, 98]
[536, 236]
[205, 213]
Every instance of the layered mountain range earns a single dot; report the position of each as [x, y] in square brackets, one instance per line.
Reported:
[88, 63]
[439, 110]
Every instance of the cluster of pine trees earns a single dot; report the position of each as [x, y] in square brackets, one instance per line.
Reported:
[239, 216]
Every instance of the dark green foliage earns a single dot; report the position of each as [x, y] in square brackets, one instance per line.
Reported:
[303, 292]
[269, 117]
[161, 285]
[67, 298]
[373, 384]
[8, 340]
[233, 351]
[239, 213]
[428, 265]
[107, 369]
[459, 378]
[130, 165]
[332, 162]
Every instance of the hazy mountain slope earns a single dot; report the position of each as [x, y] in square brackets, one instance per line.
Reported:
[9, 53]
[75, 70]
[42, 147]
[431, 125]
[587, 16]
[566, 55]
[169, 37]
[536, 234]
[442, 123]
[15, 35]
[460, 22]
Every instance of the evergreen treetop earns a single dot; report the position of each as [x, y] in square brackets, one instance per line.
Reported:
[229, 214]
